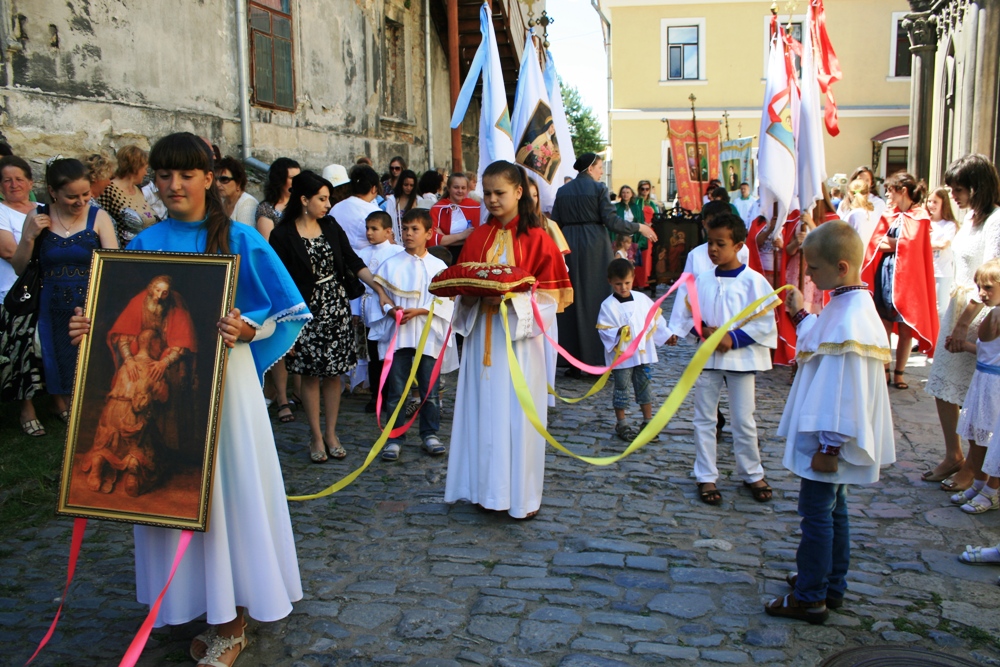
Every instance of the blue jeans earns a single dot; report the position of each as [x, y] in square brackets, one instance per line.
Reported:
[430, 413]
[824, 553]
[639, 376]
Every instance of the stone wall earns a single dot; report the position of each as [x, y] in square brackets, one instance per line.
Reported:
[81, 76]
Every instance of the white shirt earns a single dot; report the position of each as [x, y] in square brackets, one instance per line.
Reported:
[350, 214]
[747, 208]
[246, 209]
[944, 259]
[152, 197]
[10, 221]
[368, 306]
[617, 316]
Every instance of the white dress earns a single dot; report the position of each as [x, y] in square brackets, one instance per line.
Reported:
[974, 244]
[247, 557]
[497, 458]
[982, 402]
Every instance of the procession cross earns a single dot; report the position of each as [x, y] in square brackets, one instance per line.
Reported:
[725, 117]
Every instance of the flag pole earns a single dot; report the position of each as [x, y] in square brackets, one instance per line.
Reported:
[697, 152]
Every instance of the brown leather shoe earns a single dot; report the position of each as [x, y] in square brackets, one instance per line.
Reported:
[831, 603]
[790, 607]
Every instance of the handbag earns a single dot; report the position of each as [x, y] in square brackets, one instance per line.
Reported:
[23, 297]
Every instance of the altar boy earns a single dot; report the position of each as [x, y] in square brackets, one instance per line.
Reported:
[722, 293]
[837, 418]
[405, 277]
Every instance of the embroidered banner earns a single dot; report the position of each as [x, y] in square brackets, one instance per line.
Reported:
[737, 162]
[694, 163]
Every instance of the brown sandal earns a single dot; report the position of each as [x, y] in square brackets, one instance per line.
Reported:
[761, 494]
[709, 496]
[285, 419]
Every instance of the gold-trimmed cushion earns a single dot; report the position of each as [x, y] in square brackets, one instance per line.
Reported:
[481, 279]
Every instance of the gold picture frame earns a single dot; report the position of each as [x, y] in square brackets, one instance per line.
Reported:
[141, 442]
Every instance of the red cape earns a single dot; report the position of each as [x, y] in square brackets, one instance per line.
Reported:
[914, 292]
[178, 329]
[535, 252]
[470, 208]
[784, 355]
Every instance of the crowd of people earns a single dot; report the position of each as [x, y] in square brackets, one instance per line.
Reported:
[337, 264]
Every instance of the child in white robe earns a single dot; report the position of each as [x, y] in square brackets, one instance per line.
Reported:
[622, 317]
[837, 420]
[379, 232]
[722, 293]
[497, 458]
[406, 277]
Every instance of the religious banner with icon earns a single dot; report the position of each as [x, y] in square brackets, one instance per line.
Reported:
[737, 163]
[693, 164]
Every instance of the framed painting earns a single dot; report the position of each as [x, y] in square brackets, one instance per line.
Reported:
[677, 236]
[144, 420]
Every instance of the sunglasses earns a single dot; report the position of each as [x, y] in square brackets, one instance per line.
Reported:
[225, 180]
[395, 169]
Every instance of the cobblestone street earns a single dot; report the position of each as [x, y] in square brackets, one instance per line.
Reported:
[622, 566]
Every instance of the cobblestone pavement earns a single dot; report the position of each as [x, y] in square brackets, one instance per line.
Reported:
[623, 566]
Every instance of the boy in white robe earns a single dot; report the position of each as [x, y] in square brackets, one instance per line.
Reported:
[698, 261]
[622, 317]
[378, 231]
[722, 293]
[837, 420]
[406, 276]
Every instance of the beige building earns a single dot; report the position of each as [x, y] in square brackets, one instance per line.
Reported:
[662, 51]
[320, 81]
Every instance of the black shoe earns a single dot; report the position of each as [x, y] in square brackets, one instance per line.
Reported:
[370, 407]
[831, 602]
[573, 372]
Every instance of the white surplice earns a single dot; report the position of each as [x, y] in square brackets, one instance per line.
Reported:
[619, 322]
[697, 262]
[406, 278]
[497, 458]
[840, 388]
[368, 306]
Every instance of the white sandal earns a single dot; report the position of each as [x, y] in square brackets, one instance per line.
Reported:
[982, 503]
[963, 497]
[220, 645]
[974, 556]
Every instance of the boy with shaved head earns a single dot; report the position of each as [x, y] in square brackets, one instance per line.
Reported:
[837, 420]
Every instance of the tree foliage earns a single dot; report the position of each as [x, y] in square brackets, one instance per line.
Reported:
[583, 124]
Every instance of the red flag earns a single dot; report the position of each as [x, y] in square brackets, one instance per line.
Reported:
[827, 65]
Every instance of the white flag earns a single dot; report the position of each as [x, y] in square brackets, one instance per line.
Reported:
[811, 153]
[495, 141]
[554, 90]
[778, 123]
[535, 140]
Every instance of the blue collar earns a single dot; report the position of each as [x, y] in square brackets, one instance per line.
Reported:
[731, 273]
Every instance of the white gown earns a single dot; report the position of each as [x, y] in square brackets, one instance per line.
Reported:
[247, 557]
[497, 458]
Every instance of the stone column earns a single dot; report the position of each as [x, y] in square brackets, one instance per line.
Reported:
[921, 27]
[987, 79]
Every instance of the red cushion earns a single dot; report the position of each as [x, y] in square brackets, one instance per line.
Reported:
[479, 279]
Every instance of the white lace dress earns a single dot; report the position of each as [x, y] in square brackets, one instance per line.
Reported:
[982, 402]
[974, 244]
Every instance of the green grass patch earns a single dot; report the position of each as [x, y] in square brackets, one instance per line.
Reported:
[29, 467]
[906, 625]
[866, 623]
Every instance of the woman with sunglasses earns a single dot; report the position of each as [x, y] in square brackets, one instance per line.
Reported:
[396, 167]
[240, 205]
[585, 214]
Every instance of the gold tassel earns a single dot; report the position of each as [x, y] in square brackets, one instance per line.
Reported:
[489, 310]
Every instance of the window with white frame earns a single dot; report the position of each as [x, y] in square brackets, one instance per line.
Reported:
[682, 50]
[900, 59]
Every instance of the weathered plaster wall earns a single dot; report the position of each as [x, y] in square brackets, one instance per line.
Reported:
[88, 75]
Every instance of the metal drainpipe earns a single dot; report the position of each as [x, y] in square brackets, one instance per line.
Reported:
[243, 63]
[427, 83]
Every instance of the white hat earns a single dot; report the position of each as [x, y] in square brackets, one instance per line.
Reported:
[336, 174]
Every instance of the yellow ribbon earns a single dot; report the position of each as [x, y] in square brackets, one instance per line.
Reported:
[391, 422]
[662, 416]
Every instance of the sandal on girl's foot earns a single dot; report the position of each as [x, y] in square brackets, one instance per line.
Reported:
[981, 503]
[965, 496]
[33, 428]
[761, 494]
[709, 496]
[199, 645]
[931, 476]
[831, 603]
[975, 556]
[63, 416]
[221, 646]
[789, 606]
[288, 417]
[899, 384]
[337, 452]
[318, 457]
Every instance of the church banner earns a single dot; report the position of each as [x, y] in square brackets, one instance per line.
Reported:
[694, 164]
[143, 427]
[737, 163]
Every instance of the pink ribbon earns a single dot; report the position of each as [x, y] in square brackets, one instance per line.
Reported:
[685, 279]
[79, 525]
[139, 643]
[387, 366]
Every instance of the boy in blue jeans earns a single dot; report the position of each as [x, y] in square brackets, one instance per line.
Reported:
[837, 418]
[405, 277]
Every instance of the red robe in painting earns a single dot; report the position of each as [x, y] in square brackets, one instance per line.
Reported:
[914, 292]
[534, 251]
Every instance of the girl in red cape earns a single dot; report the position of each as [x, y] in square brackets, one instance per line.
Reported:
[899, 270]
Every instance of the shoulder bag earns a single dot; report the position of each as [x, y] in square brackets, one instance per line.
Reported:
[23, 297]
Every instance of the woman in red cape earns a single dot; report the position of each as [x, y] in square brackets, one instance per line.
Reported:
[899, 270]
